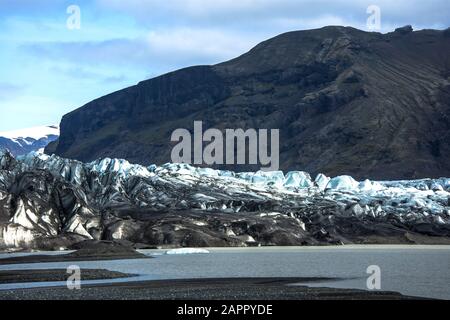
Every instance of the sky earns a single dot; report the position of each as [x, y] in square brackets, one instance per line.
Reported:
[54, 60]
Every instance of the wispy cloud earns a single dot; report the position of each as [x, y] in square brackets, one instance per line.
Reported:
[247, 13]
[76, 72]
[9, 91]
[159, 50]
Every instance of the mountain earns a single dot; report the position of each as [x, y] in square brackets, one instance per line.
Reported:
[20, 142]
[346, 101]
[48, 202]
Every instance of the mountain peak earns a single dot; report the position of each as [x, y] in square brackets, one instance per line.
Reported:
[346, 101]
[404, 30]
[22, 141]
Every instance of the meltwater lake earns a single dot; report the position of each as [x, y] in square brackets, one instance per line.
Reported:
[422, 271]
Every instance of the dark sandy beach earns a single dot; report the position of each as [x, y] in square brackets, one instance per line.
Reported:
[202, 289]
[68, 258]
[23, 276]
[275, 288]
[85, 251]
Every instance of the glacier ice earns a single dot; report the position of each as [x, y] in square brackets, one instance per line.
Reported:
[343, 183]
[322, 181]
[16, 235]
[298, 179]
[370, 186]
[85, 192]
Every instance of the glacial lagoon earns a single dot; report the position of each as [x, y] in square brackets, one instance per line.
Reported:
[422, 271]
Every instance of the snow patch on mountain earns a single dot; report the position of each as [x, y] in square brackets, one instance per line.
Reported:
[23, 141]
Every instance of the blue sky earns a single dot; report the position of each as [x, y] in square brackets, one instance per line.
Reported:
[47, 70]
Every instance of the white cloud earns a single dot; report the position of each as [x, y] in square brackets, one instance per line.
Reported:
[212, 45]
[311, 23]
[160, 51]
[32, 110]
[9, 91]
[244, 13]
[122, 42]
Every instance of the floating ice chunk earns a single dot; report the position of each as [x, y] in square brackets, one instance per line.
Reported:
[343, 183]
[322, 181]
[186, 251]
[298, 179]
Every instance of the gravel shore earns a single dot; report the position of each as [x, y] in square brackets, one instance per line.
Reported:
[85, 251]
[202, 289]
[23, 276]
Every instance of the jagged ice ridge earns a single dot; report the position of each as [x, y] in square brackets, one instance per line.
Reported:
[47, 199]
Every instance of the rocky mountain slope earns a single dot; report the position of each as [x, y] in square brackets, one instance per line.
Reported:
[346, 101]
[20, 142]
[48, 202]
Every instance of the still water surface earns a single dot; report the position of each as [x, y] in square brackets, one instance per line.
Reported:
[419, 271]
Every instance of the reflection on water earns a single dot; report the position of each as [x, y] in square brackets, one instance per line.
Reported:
[418, 271]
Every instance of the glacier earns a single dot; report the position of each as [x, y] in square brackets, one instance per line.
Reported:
[48, 201]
